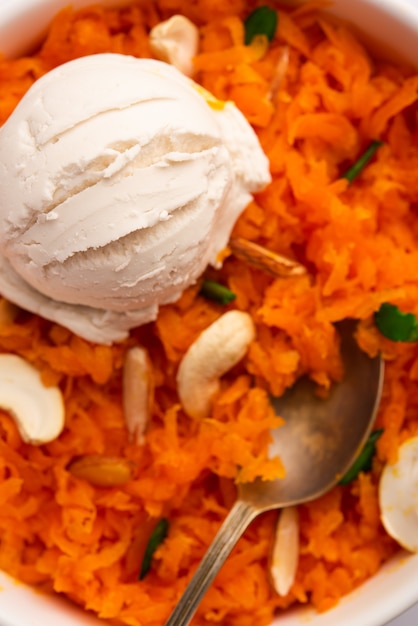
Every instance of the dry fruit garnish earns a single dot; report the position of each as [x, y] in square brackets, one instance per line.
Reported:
[264, 259]
[102, 471]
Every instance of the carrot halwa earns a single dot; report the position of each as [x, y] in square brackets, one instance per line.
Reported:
[316, 99]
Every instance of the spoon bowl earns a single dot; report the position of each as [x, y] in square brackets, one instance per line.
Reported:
[321, 437]
[317, 444]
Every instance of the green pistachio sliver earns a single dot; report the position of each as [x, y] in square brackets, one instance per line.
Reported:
[217, 292]
[363, 463]
[262, 21]
[157, 537]
[356, 169]
[393, 324]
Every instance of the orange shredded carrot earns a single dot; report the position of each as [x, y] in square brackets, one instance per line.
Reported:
[359, 243]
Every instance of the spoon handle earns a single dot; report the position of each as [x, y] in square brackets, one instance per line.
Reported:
[237, 520]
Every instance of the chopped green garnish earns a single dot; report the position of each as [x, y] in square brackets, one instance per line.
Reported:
[262, 21]
[356, 169]
[217, 292]
[396, 325]
[363, 463]
[157, 537]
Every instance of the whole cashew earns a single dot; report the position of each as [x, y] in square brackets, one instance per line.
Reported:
[217, 349]
[398, 496]
[38, 411]
[176, 41]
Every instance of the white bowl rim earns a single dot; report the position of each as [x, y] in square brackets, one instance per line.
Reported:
[380, 599]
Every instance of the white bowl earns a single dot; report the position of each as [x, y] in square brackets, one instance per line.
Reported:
[392, 27]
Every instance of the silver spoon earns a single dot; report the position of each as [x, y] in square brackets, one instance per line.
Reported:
[318, 443]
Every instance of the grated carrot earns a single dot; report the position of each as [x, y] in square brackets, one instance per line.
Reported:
[359, 243]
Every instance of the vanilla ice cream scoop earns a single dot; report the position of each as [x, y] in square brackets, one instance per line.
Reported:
[120, 181]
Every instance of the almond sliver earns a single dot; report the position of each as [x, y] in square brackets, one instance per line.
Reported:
[285, 555]
[102, 471]
[138, 392]
[264, 259]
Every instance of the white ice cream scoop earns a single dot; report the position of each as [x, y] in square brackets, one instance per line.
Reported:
[120, 181]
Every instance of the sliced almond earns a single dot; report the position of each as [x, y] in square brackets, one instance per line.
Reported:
[138, 392]
[285, 555]
[264, 259]
[102, 471]
[280, 71]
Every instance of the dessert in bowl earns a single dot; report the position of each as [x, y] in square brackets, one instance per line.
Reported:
[316, 100]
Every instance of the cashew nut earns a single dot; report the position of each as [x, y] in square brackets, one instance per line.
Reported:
[176, 41]
[138, 392]
[398, 496]
[37, 410]
[217, 349]
[285, 555]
